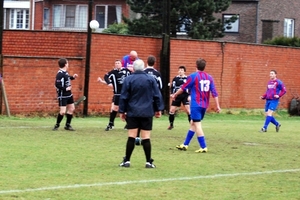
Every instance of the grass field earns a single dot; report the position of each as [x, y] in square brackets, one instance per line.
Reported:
[241, 163]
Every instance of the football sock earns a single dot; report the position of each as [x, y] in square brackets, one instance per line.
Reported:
[69, 118]
[189, 137]
[59, 118]
[202, 142]
[267, 122]
[129, 147]
[147, 149]
[112, 117]
[273, 121]
[189, 118]
[171, 118]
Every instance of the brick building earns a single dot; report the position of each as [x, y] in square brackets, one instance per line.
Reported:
[61, 15]
[259, 20]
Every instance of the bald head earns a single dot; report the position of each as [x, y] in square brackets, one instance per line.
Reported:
[133, 55]
[138, 65]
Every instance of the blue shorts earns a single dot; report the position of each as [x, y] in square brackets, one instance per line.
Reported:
[197, 113]
[271, 105]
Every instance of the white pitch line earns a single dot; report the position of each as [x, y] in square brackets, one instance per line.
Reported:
[147, 181]
[25, 127]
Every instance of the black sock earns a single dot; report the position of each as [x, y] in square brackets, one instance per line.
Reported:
[129, 148]
[69, 119]
[59, 118]
[171, 119]
[189, 118]
[112, 117]
[147, 149]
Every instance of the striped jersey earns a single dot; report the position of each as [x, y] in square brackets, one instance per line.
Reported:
[155, 74]
[126, 62]
[177, 82]
[62, 81]
[116, 78]
[200, 84]
[274, 87]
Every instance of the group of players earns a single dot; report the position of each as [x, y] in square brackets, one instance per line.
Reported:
[123, 68]
[192, 91]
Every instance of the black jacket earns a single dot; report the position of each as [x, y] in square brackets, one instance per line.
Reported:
[140, 96]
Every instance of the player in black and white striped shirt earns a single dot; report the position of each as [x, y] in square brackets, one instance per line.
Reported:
[64, 94]
[115, 78]
[153, 72]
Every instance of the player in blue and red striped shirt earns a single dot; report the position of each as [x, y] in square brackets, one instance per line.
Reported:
[127, 61]
[275, 90]
[200, 84]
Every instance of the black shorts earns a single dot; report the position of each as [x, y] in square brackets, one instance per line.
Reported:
[182, 98]
[144, 123]
[116, 99]
[65, 101]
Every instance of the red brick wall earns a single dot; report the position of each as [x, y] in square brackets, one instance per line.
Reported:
[107, 48]
[240, 71]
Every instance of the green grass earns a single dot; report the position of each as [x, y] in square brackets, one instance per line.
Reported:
[38, 163]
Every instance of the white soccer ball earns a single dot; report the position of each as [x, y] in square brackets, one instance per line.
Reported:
[138, 141]
[94, 24]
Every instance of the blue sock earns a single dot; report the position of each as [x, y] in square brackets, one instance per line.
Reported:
[202, 142]
[267, 122]
[189, 136]
[273, 121]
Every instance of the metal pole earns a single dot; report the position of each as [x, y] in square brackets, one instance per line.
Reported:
[1, 44]
[87, 60]
[165, 54]
[1, 26]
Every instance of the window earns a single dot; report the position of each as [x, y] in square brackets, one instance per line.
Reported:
[231, 23]
[19, 19]
[108, 14]
[70, 16]
[289, 27]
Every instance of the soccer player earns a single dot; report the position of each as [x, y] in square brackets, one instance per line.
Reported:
[128, 60]
[177, 82]
[275, 90]
[153, 72]
[140, 100]
[200, 84]
[64, 94]
[116, 78]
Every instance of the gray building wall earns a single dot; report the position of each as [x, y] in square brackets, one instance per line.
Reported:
[262, 19]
